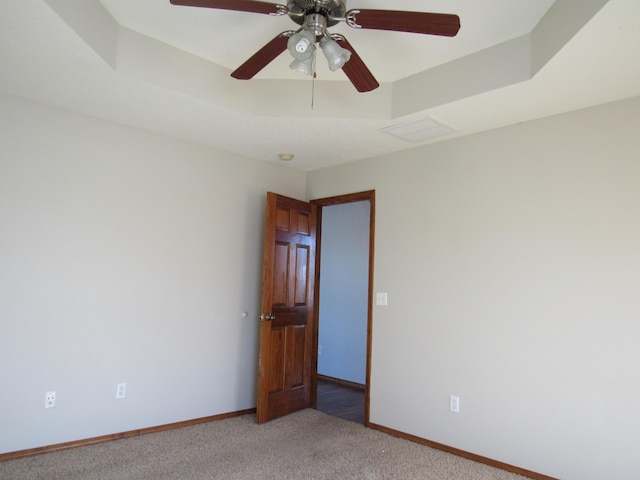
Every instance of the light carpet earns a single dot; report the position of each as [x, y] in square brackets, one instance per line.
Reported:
[306, 445]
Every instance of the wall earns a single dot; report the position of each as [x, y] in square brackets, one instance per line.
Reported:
[512, 262]
[344, 290]
[124, 257]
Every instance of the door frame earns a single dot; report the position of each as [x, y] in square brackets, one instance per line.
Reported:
[370, 196]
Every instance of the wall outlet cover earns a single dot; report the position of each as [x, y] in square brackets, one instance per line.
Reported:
[121, 390]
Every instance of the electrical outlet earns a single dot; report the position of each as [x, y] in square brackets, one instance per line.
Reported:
[121, 390]
[454, 404]
[50, 400]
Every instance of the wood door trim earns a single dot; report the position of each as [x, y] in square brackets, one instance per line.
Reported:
[370, 196]
[341, 382]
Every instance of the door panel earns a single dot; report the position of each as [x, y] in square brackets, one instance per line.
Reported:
[280, 274]
[287, 325]
[301, 288]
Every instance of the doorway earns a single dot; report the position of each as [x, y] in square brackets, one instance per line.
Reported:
[344, 277]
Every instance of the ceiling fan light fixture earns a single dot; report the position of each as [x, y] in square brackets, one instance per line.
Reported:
[301, 45]
[303, 66]
[314, 18]
[336, 55]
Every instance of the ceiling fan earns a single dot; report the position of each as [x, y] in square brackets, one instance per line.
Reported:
[315, 17]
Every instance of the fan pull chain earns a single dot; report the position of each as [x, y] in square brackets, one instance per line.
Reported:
[313, 79]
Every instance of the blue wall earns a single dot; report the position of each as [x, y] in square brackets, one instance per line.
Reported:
[343, 291]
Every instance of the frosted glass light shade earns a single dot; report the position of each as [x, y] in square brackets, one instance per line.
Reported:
[336, 55]
[304, 66]
[302, 45]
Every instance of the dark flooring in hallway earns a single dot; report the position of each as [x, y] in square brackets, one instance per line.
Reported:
[341, 401]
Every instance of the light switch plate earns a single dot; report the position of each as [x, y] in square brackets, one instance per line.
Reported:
[381, 299]
[454, 404]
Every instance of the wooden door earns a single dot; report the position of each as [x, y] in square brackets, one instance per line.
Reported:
[287, 320]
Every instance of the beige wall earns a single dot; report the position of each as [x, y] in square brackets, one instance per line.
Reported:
[512, 263]
[124, 257]
[511, 260]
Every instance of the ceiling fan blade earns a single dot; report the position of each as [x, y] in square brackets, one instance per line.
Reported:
[262, 57]
[414, 22]
[355, 69]
[239, 5]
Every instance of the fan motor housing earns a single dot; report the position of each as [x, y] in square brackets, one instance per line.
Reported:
[330, 9]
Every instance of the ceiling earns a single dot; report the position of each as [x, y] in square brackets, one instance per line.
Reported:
[229, 38]
[165, 69]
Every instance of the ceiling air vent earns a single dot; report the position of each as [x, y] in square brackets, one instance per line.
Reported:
[419, 130]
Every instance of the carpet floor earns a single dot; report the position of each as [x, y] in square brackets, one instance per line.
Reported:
[306, 445]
